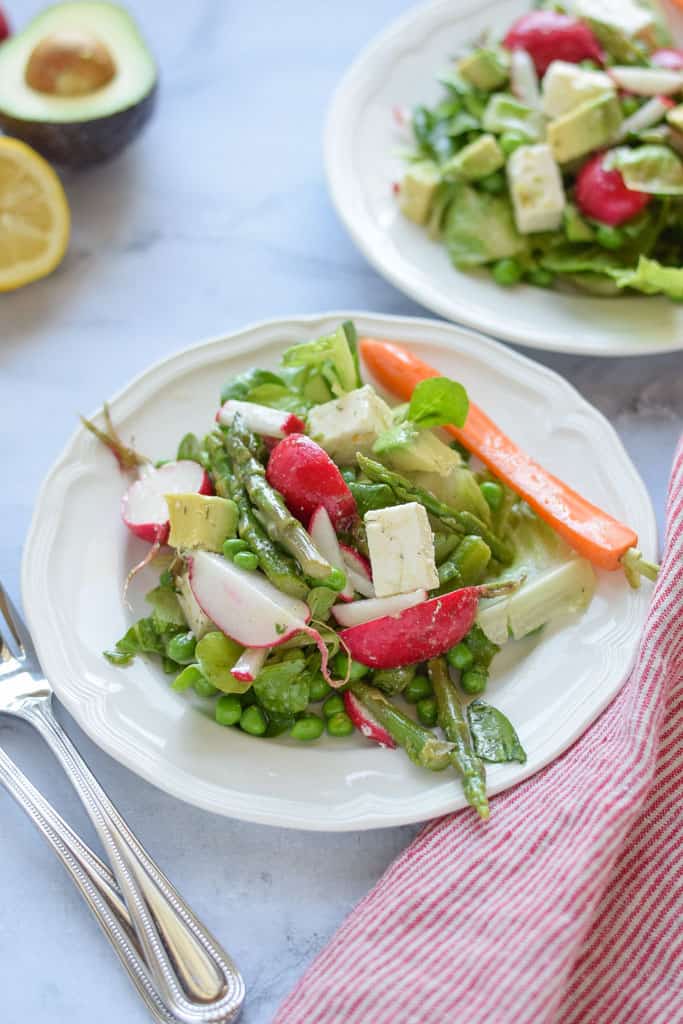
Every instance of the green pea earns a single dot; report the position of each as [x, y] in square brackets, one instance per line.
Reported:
[473, 681]
[507, 272]
[460, 657]
[228, 709]
[541, 277]
[417, 689]
[609, 237]
[510, 141]
[203, 688]
[493, 494]
[334, 705]
[335, 581]
[340, 666]
[629, 105]
[253, 721]
[187, 678]
[246, 560]
[340, 724]
[308, 727]
[427, 711]
[318, 688]
[494, 183]
[233, 546]
[181, 648]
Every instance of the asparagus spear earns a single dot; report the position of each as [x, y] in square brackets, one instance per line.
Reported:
[282, 571]
[450, 518]
[454, 725]
[277, 520]
[420, 744]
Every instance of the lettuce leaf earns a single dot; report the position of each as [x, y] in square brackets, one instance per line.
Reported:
[479, 228]
[652, 168]
[652, 278]
[330, 356]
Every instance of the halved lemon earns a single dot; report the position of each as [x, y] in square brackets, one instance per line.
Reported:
[34, 216]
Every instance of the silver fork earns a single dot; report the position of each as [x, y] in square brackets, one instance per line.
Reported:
[176, 964]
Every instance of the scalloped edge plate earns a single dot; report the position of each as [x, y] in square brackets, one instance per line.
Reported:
[362, 145]
[78, 552]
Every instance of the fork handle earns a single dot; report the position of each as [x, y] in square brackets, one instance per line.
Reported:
[195, 978]
[92, 879]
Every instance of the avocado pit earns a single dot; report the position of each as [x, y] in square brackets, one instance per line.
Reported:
[70, 63]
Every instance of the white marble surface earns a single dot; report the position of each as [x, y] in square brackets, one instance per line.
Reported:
[217, 217]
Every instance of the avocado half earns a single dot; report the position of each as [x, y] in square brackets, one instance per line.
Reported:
[78, 83]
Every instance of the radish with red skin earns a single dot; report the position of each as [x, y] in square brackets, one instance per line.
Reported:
[325, 539]
[547, 36]
[358, 571]
[668, 58]
[248, 608]
[365, 723]
[359, 612]
[306, 477]
[4, 26]
[260, 419]
[249, 664]
[422, 632]
[143, 506]
[602, 194]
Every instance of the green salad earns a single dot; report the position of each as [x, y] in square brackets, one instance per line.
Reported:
[555, 155]
[329, 563]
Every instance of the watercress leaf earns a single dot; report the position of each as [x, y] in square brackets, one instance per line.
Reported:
[320, 601]
[438, 401]
[166, 608]
[493, 735]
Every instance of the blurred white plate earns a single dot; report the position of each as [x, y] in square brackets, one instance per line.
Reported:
[362, 157]
[78, 554]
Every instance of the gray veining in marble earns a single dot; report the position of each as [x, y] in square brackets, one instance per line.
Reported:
[217, 217]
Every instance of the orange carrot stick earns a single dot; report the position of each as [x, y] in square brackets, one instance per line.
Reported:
[590, 531]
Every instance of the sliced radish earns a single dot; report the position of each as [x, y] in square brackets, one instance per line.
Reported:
[650, 114]
[244, 604]
[647, 81]
[524, 80]
[248, 608]
[365, 723]
[666, 58]
[143, 506]
[249, 664]
[424, 631]
[306, 477]
[359, 612]
[260, 418]
[358, 571]
[325, 539]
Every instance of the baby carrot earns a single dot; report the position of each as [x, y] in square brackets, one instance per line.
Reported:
[595, 534]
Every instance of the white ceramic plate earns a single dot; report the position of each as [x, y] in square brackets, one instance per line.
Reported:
[362, 147]
[78, 553]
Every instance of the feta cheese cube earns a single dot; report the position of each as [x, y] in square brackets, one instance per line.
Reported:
[349, 424]
[401, 547]
[566, 86]
[628, 17]
[536, 189]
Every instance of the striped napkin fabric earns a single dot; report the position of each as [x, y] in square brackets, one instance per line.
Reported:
[567, 907]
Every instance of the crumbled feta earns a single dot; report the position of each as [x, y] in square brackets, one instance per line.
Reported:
[401, 547]
[349, 424]
[566, 86]
[536, 189]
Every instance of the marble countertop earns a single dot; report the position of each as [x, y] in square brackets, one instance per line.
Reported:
[216, 217]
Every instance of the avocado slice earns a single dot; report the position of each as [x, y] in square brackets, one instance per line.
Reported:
[78, 83]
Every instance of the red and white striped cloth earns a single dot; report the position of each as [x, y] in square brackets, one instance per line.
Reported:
[567, 907]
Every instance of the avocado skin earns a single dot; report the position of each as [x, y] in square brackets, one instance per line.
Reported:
[78, 144]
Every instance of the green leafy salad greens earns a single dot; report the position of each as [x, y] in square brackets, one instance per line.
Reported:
[557, 173]
[396, 467]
